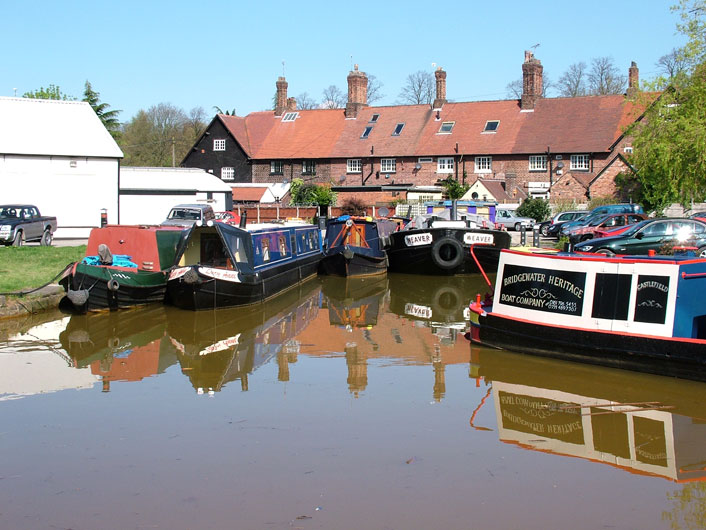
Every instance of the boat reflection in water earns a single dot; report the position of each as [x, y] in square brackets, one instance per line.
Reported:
[217, 347]
[641, 423]
[118, 346]
[354, 302]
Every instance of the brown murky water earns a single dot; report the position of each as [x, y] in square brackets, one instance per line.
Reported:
[339, 405]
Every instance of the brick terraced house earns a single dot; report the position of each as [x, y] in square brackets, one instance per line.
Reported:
[565, 148]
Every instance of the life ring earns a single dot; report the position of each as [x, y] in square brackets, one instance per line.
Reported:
[447, 253]
[348, 254]
[113, 285]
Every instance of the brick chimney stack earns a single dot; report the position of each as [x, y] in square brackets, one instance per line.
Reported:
[440, 88]
[357, 92]
[531, 81]
[291, 104]
[281, 104]
[633, 80]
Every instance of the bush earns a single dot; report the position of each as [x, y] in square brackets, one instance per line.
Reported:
[564, 205]
[354, 206]
[538, 209]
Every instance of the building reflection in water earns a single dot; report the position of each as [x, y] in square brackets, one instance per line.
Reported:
[637, 422]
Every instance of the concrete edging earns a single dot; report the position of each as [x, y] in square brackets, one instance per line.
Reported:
[46, 298]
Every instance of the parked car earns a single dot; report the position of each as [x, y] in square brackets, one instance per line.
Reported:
[561, 217]
[652, 234]
[599, 211]
[510, 221]
[585, 232]
[189, 214]
[228, 218]
[20, 223]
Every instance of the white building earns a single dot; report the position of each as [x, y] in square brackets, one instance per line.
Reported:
[58, 156]
[148, 193]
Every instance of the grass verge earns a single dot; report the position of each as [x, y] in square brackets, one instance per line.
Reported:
[28, 267]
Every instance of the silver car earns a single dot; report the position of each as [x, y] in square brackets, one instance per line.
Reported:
[510, 221]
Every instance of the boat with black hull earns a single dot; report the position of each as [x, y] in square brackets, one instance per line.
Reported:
[219, 265]
[355, 246]
[633, 312]
[429, 245]
[125, 266]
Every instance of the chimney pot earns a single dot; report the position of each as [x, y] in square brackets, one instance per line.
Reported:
[357, 92]
[281, 99]
[633, 80]
[440, 76]
[532, 81]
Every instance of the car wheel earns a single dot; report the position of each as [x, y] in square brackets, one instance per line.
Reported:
[586, 237]
[46, 238]
[545, 230]
[19, 239]
[701, 252]
[605, 252]
[518, 226]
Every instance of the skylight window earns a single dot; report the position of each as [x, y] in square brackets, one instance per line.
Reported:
[491, 126]
[398, 129]
[366, 132]
[374, 118]
[290, 116]
[447, 127]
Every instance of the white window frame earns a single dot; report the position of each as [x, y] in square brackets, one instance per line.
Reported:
[538, 162]
[219, 144]
[388, 165]
[491, 131]
[627, 149]
[311, 164]
[445, 165]
[446, 123]
[273, 167]
[580, 162]
[354, 165]
[227, 173]
[425, 159]
[483, 164]
[366, 132]
[398, 129]
[290, 116]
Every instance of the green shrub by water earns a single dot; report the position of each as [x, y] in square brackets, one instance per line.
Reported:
[27, 267]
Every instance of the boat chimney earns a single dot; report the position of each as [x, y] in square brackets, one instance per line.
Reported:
[243, 220]
[454, 210]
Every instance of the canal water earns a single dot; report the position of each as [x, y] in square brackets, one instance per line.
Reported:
[338, 405]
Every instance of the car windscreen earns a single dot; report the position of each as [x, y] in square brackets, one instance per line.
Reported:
[184, 213]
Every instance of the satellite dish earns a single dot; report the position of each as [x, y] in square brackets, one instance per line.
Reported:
[383, 211]
[342, 178]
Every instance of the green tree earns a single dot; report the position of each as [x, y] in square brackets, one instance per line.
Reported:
[109, 118]
[308, 194]
[51, 92]
[538, 209]
[453, 189]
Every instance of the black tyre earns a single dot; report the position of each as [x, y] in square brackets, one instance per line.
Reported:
[518, 227]
[586, 237]
[605, 252]
[544, 230]
[47, 238]
[447, 253]
[19, 239]
[701, 252]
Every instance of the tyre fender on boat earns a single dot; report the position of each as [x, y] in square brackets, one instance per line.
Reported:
[113, 285]
[447, 253]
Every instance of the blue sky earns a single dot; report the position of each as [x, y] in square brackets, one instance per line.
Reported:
[229, 54]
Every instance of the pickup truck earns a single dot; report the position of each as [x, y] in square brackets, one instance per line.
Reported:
[20, 223]
[510, 221]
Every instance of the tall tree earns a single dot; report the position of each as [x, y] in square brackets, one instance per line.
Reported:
[672, 64]
[304, 102]
[420, 87]
[572, 83]
[333, 98]
[156, 137]
[109, 118]
[604, 77]
[374, 89]
[51, 92]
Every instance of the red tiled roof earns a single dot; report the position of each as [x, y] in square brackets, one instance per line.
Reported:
[585, 124]
[249, 193]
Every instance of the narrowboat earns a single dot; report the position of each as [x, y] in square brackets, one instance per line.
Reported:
[355, 246]
[219, 265]
[634, 312]
[429, 245]
[124, 266]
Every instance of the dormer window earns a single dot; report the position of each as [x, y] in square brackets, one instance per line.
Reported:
[446, 127]
[366, 132]
[491, 126]
[398, 129]
[290, 116]
[374, 118]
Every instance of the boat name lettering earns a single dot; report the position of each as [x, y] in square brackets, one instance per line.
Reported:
[654, 285]
[470, 238]
[565, 284]
[418, 239]
[417, 310]
[553, 291]
[524, 277]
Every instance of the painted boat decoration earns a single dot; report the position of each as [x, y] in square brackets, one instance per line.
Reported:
[355, 246]
[219, 265]
[125, 266]
[639, 313]
[428, 245]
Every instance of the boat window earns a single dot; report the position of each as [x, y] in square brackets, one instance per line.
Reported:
[282, 244]
[236, 243]
[313, 242]
[651, 299]
[611, 296]
[213, 253]
[265, 245]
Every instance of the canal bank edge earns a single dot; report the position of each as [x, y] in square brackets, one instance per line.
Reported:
[47, 297]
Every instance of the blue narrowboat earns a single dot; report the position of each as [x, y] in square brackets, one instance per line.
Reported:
[634, 312]
[219, 265]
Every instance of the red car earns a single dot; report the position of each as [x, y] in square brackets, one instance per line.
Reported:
[605, 223]
[228, 218]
